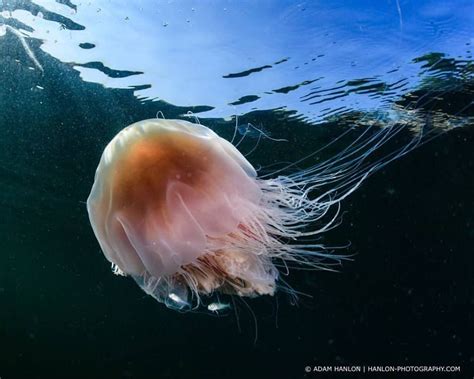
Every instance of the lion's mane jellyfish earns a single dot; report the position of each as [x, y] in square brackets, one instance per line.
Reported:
[181, 210]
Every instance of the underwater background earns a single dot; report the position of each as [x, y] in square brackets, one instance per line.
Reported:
[72, 74]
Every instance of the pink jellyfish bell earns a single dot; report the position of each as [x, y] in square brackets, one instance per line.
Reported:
[180, 210]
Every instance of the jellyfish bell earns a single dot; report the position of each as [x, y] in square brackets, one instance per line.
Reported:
[183, 212]
[178, 208]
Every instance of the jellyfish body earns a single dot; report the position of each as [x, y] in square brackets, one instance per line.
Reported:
[174, 206]
[181, 210]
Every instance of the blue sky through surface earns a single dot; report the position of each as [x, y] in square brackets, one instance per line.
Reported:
[238, 56]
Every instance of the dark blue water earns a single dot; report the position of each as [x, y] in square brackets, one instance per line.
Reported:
[73, 74]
